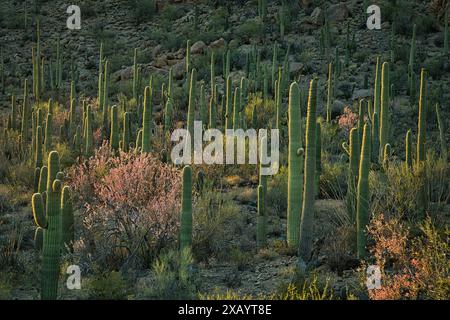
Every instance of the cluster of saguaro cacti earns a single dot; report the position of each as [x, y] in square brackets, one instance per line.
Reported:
[54, 221]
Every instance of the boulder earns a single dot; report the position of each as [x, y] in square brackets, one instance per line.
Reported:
[198, 47]
[317, 17]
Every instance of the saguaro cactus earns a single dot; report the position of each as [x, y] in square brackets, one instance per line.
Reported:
[186, 210]
[295, 167]
[126, 132]
[114, 138]
[67, 221]
[318, 158]
[353, 153]
[384, 115]
[88, 134]
[191, 107]
[50, 221]
[422, 123]
[330, 91]
[48, 133]
[306, 222]
[38, 151]
[444, 151]
[228, 105]
[408, 150]
[147, 121]
[363, 196]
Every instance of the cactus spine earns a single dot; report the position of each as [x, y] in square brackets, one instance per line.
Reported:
[306, 222]
[295, 168]
[362, 204]
[186, 210]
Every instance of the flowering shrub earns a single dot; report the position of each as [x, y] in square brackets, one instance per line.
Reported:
[130, 206]
[411, 268]
[348, 119]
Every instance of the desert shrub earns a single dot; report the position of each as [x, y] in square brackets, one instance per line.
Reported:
[333, 180]
[277, 192]
[240, 258]
[395, 192]
[212, 224]
[172, 277]
[11, 244]
[312, 288]
[144, 10]
[265, 111]
[108, 286]
[348, 119]
[411, 268]
[130, 206]
[253, 28]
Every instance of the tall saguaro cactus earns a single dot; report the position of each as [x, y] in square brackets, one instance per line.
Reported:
[384, 115]
[422, 123]
[295, 167]
[330, 91]
[306, 223]
[114, 138]
[67, 221]
[363, 196]
[50, 222]
[186, 210]
[191, 107]
[147, 121]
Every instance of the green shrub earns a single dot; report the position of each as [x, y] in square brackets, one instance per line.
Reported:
[213, 221]
[252, 28]
[108, 286]
[168, 281]
[144, 10]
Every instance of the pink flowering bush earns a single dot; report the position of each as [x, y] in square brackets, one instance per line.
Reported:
[348, 119]
[411, 267]
[129, 206]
